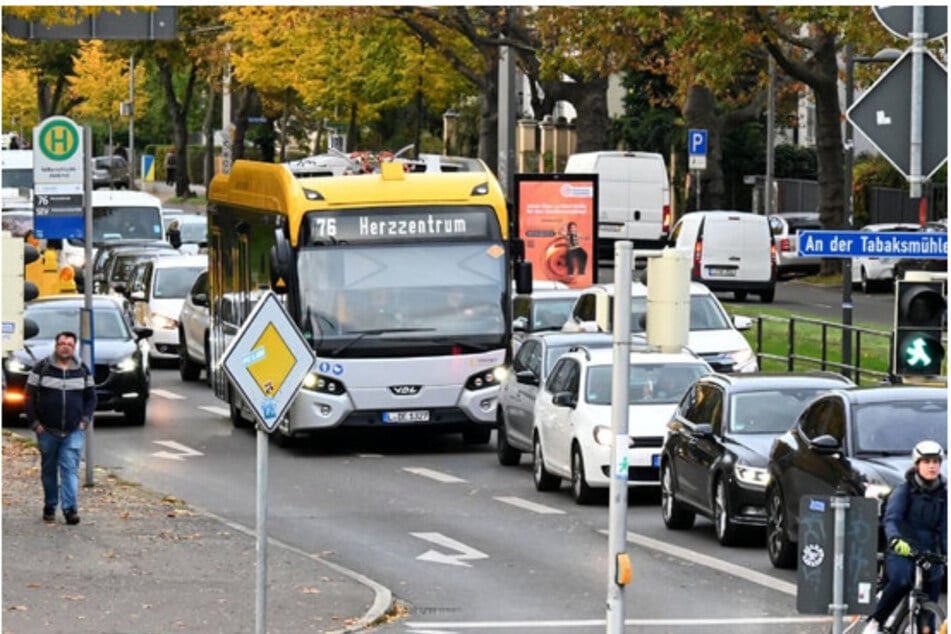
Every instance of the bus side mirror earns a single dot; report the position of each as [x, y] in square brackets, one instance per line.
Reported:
[281, 257]
[523, 277]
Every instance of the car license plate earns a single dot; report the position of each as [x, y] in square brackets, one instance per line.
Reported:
[655, 460]
[409, 416]
[721, 271]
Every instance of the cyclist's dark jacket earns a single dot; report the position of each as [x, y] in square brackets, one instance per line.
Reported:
[917, 515]
[59, 398]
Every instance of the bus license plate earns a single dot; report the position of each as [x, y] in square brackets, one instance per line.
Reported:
[409, 416]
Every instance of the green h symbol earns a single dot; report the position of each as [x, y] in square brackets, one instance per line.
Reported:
[59, 140]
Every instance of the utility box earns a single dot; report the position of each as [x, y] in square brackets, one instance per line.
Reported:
[668, 300]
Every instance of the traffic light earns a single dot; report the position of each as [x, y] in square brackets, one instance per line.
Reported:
[16, 290]
[920, 313]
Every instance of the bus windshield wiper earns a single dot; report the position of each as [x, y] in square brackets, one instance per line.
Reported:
[360, 334]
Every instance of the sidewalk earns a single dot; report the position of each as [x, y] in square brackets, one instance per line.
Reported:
[165, 192]
[143, 563]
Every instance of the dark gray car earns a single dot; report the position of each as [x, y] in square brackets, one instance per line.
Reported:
[111, 172]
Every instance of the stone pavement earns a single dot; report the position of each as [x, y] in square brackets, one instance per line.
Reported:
[141, 562]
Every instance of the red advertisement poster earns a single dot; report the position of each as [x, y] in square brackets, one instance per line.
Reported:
[557, 221]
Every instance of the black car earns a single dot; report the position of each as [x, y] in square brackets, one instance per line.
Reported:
[856, 441]
[120, 368]
[714, 457]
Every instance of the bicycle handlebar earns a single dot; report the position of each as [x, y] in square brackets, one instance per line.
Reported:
[927, 558]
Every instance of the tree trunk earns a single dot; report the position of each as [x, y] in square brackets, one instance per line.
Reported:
[700, 113]
[178, 114]
[829, 152]
[208, 131]
[489, 117]
[591, 127]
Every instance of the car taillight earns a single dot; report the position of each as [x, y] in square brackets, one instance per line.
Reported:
[784, 245]
[773, 263]
[666, 220]
[697, 254]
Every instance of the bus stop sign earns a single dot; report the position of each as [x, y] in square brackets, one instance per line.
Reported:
[268, 360]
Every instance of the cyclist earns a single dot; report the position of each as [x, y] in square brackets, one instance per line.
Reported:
[915, 519]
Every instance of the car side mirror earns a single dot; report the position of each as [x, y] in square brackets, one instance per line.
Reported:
[565, 399]
[520, 324]
[119, 287]
[200, 299]
[137, 296]
[703, 430]
[141, 332]
[526, 377]
[741, 322]
[825, 445]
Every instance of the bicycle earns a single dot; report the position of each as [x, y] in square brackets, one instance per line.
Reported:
[916, 613]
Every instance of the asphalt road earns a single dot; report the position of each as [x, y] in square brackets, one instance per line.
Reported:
[467, 545]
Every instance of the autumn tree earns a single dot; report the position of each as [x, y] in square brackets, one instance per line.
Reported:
[19, 99]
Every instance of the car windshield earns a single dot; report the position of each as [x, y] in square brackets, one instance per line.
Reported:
[174, 283]
[768, 411]
[118, 223]
[551, 313]
[894, 427]
[17, 177]
[554, 352]
[705, 314]
[648, 384]
[107, 322]
[194, 231]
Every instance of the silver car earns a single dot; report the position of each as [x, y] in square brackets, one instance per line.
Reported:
[784, 226]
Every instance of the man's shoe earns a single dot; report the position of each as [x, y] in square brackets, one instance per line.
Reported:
[49, 514]
[871, 627]
[72, 517]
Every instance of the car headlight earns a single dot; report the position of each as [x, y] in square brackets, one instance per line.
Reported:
[604, 436]
[15, 366]
[163, 322]
[76, 260]
[744, 360]
[752, 476]
[126, 365]
[877, 490]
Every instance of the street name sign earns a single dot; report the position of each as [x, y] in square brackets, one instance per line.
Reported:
[59, 169]
[268, 360]
[899, 20]
[697, 149]
[883, 114]
[877, 244]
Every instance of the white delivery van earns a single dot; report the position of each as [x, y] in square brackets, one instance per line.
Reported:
[730, 251]
[633, 197]
[17, 171]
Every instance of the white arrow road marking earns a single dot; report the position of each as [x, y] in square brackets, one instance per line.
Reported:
[530, 506]
[881, 118]
[214, 409]
[169, 395]
[182, 450]
[433, 475]
[465, 552]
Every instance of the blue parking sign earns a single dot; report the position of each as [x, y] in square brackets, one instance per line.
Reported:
[697, 142]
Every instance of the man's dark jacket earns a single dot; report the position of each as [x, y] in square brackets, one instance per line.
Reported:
[58, 398]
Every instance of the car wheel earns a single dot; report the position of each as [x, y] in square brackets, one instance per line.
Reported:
[135, 414]
[544, 481]
[864, 282]
[782, 552]
[676, 515]
[727, 531]
[188, 369]
[739, 295]
[582, 493]
[768, 295]
[207, 361]
[508, 455]
[477, 435]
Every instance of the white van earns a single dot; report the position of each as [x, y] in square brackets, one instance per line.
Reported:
[118, 215]
[633, 197]
[731, 251]
[17, 172]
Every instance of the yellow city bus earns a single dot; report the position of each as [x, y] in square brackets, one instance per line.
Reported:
[400, 281]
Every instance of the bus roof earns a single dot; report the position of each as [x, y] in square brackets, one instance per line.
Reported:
[273, 188]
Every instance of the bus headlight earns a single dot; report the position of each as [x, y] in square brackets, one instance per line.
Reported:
[323, 384]
[486, 378]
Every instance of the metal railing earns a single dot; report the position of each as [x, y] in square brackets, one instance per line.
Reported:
[829, 351]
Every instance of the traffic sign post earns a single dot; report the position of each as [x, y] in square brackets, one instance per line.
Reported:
[266, 362]
[884, 244]
[697, 155]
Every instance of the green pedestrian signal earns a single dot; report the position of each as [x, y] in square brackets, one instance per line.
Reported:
[920, 315]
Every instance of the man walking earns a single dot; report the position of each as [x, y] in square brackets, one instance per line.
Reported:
[60, 401]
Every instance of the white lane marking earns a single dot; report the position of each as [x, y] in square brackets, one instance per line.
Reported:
[711, 562]
[465, 553]
[530, 506]
[166, 394]
[183, 451]
[420, 627]
[433, 475]
[369, 455]
[214, 409]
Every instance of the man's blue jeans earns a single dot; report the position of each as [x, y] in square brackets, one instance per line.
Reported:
[62, 454]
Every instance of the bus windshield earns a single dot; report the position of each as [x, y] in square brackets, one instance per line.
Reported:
[371, 295]
[125, 223]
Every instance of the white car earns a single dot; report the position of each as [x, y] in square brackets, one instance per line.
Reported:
[572, 439]
[869, 271]
[540, 311]
[157, 290]
[712, 334]
[193, 330]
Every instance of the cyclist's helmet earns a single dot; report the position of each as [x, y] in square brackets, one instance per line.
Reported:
[927, 449]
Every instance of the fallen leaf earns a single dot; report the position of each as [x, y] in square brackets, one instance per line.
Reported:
[310, 591]
[14, 608]
[73, 597]
[34, 585]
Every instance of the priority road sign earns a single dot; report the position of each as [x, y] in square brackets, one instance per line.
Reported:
[697, 148]
[898, 20]
[877, 244]
[268, 360]
[883, 114]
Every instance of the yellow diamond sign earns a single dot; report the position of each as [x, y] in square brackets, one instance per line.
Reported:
[274, 363]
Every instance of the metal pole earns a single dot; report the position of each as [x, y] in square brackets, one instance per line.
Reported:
[89, 352]
[917, 98]
[770, 137]
[617, 512]
[131, 121]
[261, 546]
[840, 504]
[849, 209]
